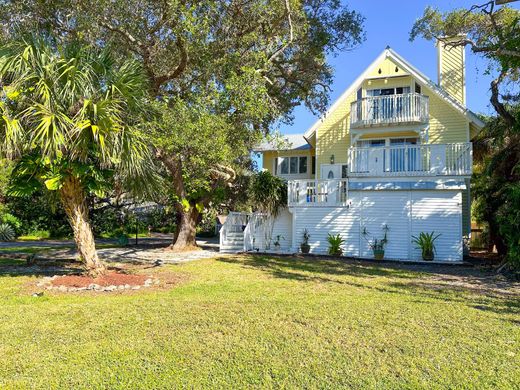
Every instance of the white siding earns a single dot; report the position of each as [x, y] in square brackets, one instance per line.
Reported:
[320, 221]
[404, 212]
[441, 212]
[390, 208]
[282, 226]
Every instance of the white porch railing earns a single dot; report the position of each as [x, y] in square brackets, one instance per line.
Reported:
[312, 193]
[411, 160]
[255, 232]
[235, 223]
[390, 109]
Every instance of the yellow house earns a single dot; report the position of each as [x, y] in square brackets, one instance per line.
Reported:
[391, 157]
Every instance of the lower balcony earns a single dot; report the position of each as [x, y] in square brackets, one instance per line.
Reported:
[411, 160]
[315, 193]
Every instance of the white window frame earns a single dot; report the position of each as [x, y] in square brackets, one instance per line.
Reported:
[280, 160]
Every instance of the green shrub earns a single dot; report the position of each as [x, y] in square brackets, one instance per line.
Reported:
[335, 243]
[11, 220]
[36, 235]
[426, 243]
[6, 232]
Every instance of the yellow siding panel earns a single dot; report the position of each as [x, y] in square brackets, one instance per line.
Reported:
[447, 124]
[405, 81]
[387, 67]
[333, 135]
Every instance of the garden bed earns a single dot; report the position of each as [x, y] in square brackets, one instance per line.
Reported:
[110, 282]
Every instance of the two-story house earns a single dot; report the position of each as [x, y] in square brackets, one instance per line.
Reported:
[392, 155]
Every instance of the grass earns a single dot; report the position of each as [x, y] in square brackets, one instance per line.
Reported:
[247, 322]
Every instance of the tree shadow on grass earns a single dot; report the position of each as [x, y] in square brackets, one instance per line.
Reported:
[481, 290]
[314, 268]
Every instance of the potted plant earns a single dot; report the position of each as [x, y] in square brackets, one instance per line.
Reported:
[277, 244]
[377, 245]
[335, 243]
[426, 243]
[304, 246]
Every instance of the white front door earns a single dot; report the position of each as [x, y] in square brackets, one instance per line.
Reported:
[330, 171]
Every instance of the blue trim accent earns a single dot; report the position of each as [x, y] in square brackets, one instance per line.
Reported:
[407, 185]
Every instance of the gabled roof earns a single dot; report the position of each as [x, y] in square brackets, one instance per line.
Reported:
[406, 66]
[293, 141]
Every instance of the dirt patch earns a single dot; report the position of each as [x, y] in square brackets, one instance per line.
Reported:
[110, 279]
[189, 248]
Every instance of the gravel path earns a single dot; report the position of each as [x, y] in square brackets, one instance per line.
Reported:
[149, 250]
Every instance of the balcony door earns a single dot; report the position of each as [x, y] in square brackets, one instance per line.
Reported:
[404, 155]
[370, 156]
[390, 104]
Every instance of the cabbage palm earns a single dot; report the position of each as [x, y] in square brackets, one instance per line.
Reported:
[69, 117]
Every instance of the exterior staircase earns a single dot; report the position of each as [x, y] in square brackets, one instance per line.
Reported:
[234, 243]
[232, 233]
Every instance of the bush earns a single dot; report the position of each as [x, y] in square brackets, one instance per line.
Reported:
[508, 217]
[36, 235]
[12, 221]
[38, 212]
[335, 243]
[6, 232]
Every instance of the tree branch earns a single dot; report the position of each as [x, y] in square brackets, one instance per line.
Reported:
[478, 49]
[183, 62]
[284, 46]
[497, 104]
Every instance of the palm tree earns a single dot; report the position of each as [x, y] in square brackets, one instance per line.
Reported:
[69, 117]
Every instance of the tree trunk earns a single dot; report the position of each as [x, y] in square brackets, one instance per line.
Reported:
[184, 237]
[75, 205]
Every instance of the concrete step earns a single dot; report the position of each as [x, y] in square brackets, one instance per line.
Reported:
[228, 235]
[231, 250]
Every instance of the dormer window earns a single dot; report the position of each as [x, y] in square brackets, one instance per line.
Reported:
[388, 91]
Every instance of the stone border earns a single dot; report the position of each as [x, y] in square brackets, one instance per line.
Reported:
[46, 283]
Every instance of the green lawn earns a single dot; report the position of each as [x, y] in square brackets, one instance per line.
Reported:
[263, 322]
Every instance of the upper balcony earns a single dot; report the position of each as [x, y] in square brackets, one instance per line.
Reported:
[407, 108]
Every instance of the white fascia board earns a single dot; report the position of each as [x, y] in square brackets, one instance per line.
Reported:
[347, 92]
[421, 77]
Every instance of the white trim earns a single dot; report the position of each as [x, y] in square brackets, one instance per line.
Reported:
[406, 66]
[464, 74]
[347, 92]
[293, 175]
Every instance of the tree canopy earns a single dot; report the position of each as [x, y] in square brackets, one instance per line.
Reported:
[221, 74]
[70, 122]
[494, 33]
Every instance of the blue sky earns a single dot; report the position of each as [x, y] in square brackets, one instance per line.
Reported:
[389, 23]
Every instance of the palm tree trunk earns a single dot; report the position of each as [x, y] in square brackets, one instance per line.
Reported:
[75, 205]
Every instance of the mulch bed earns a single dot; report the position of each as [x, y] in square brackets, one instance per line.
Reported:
[110, 279]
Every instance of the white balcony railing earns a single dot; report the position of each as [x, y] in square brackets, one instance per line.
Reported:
[411, 160]
[312, 193]
[390, 109]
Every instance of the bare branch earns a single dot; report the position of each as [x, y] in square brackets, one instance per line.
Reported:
[495, 101]
[181, 67]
